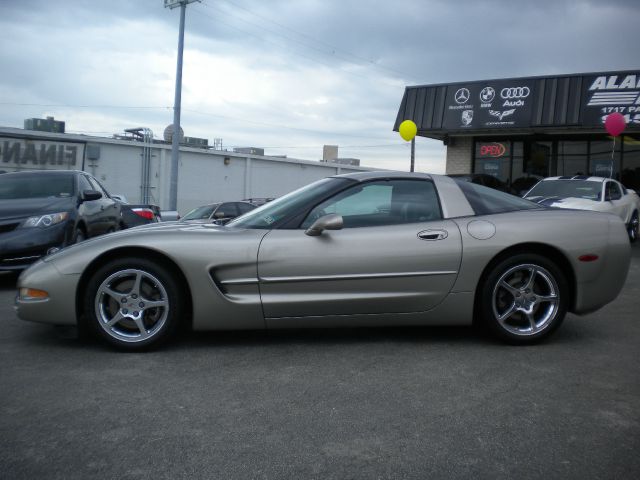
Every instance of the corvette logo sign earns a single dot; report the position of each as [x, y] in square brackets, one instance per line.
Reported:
[501, 115]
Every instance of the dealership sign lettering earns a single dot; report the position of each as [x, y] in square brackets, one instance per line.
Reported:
[493, 104]
[25, 153]
[607, 94]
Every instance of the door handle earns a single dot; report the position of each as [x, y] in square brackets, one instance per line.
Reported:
[433, 235]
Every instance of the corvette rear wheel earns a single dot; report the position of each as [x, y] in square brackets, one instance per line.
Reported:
[134, 304]
[524, 299]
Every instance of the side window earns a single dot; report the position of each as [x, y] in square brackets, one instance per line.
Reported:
[613, 191]
[83, 184]
[385, 202]
[244, 207]
[229, 209]
[97, 186]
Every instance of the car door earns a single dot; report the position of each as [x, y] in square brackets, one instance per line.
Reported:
[395, 254]
[88, 210]
[108, 218]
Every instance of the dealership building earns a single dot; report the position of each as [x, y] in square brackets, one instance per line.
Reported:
[517, 130]
[139, 167]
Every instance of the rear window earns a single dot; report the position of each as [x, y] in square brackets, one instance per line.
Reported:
[486, 201]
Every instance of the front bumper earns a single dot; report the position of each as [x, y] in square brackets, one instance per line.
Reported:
[21, 247]
[59, 308]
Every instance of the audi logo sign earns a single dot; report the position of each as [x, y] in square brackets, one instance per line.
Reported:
[515, 92]
[494, 150]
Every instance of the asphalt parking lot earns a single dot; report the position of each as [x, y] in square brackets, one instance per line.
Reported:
[382, 403]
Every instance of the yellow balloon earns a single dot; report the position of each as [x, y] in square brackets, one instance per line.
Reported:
[408, 130]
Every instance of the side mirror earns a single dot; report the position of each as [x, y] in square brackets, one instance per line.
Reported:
[88, 195]
[328, 222]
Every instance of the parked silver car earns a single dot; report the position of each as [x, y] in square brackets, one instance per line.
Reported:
[364, 249]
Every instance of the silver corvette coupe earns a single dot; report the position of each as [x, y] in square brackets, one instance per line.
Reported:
[365, 249]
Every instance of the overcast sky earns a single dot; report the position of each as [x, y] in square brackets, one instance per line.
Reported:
[289, 75]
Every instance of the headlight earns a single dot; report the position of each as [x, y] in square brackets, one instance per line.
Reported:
[45, 220]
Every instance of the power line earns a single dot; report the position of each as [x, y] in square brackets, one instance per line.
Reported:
[199, 112]
[332, 47]
[342, 147]
[320, 132]
[280, 45]
[63, 105]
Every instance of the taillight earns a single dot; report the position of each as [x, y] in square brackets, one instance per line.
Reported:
[144, 213]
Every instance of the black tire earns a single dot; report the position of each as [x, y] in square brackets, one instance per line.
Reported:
[524, 299]
[632, 227]
[78, 236]
[133, 303]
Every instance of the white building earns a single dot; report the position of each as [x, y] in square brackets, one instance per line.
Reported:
[141, 171]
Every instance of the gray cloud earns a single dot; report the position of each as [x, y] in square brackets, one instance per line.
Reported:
[350, 59]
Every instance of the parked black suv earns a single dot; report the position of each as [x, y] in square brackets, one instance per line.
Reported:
[45, 210]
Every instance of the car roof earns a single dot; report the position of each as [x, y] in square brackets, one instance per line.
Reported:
[587, 178]
[43, 172]
[376, 175]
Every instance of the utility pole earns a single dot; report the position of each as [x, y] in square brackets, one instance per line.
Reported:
[175, 141]
[413, 153]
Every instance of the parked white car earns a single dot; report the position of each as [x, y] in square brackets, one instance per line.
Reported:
[583, 192]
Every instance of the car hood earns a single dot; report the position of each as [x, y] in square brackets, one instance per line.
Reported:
[26, 207]
[176, 240]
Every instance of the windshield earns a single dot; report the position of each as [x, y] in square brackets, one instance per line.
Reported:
[30, 185]
[269, 214]
[485, 200]
[200, 213]
[566, 189]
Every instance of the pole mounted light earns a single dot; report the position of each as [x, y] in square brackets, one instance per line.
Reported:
[175, 141]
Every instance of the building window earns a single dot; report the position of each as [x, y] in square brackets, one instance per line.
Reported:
[631, 162]
[519, 164]
[493, 159]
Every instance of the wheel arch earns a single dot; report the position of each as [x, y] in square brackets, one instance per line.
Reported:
[142, 252]
[552, 253]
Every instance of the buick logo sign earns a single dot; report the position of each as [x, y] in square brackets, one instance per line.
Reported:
[487, 94]
[462, 96]
[515, 92]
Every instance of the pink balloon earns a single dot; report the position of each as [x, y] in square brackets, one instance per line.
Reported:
[615, 123]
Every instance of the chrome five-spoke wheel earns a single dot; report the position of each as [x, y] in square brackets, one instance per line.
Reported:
[134, 303]
[131, 305]
[524, 298]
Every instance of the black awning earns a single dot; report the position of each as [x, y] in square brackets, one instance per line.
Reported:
[526, 105]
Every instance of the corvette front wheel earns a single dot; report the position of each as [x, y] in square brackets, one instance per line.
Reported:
[133, 304]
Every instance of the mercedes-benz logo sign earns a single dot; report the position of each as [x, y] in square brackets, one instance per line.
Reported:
[487, 94]
[462, 96]
[515, 92]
